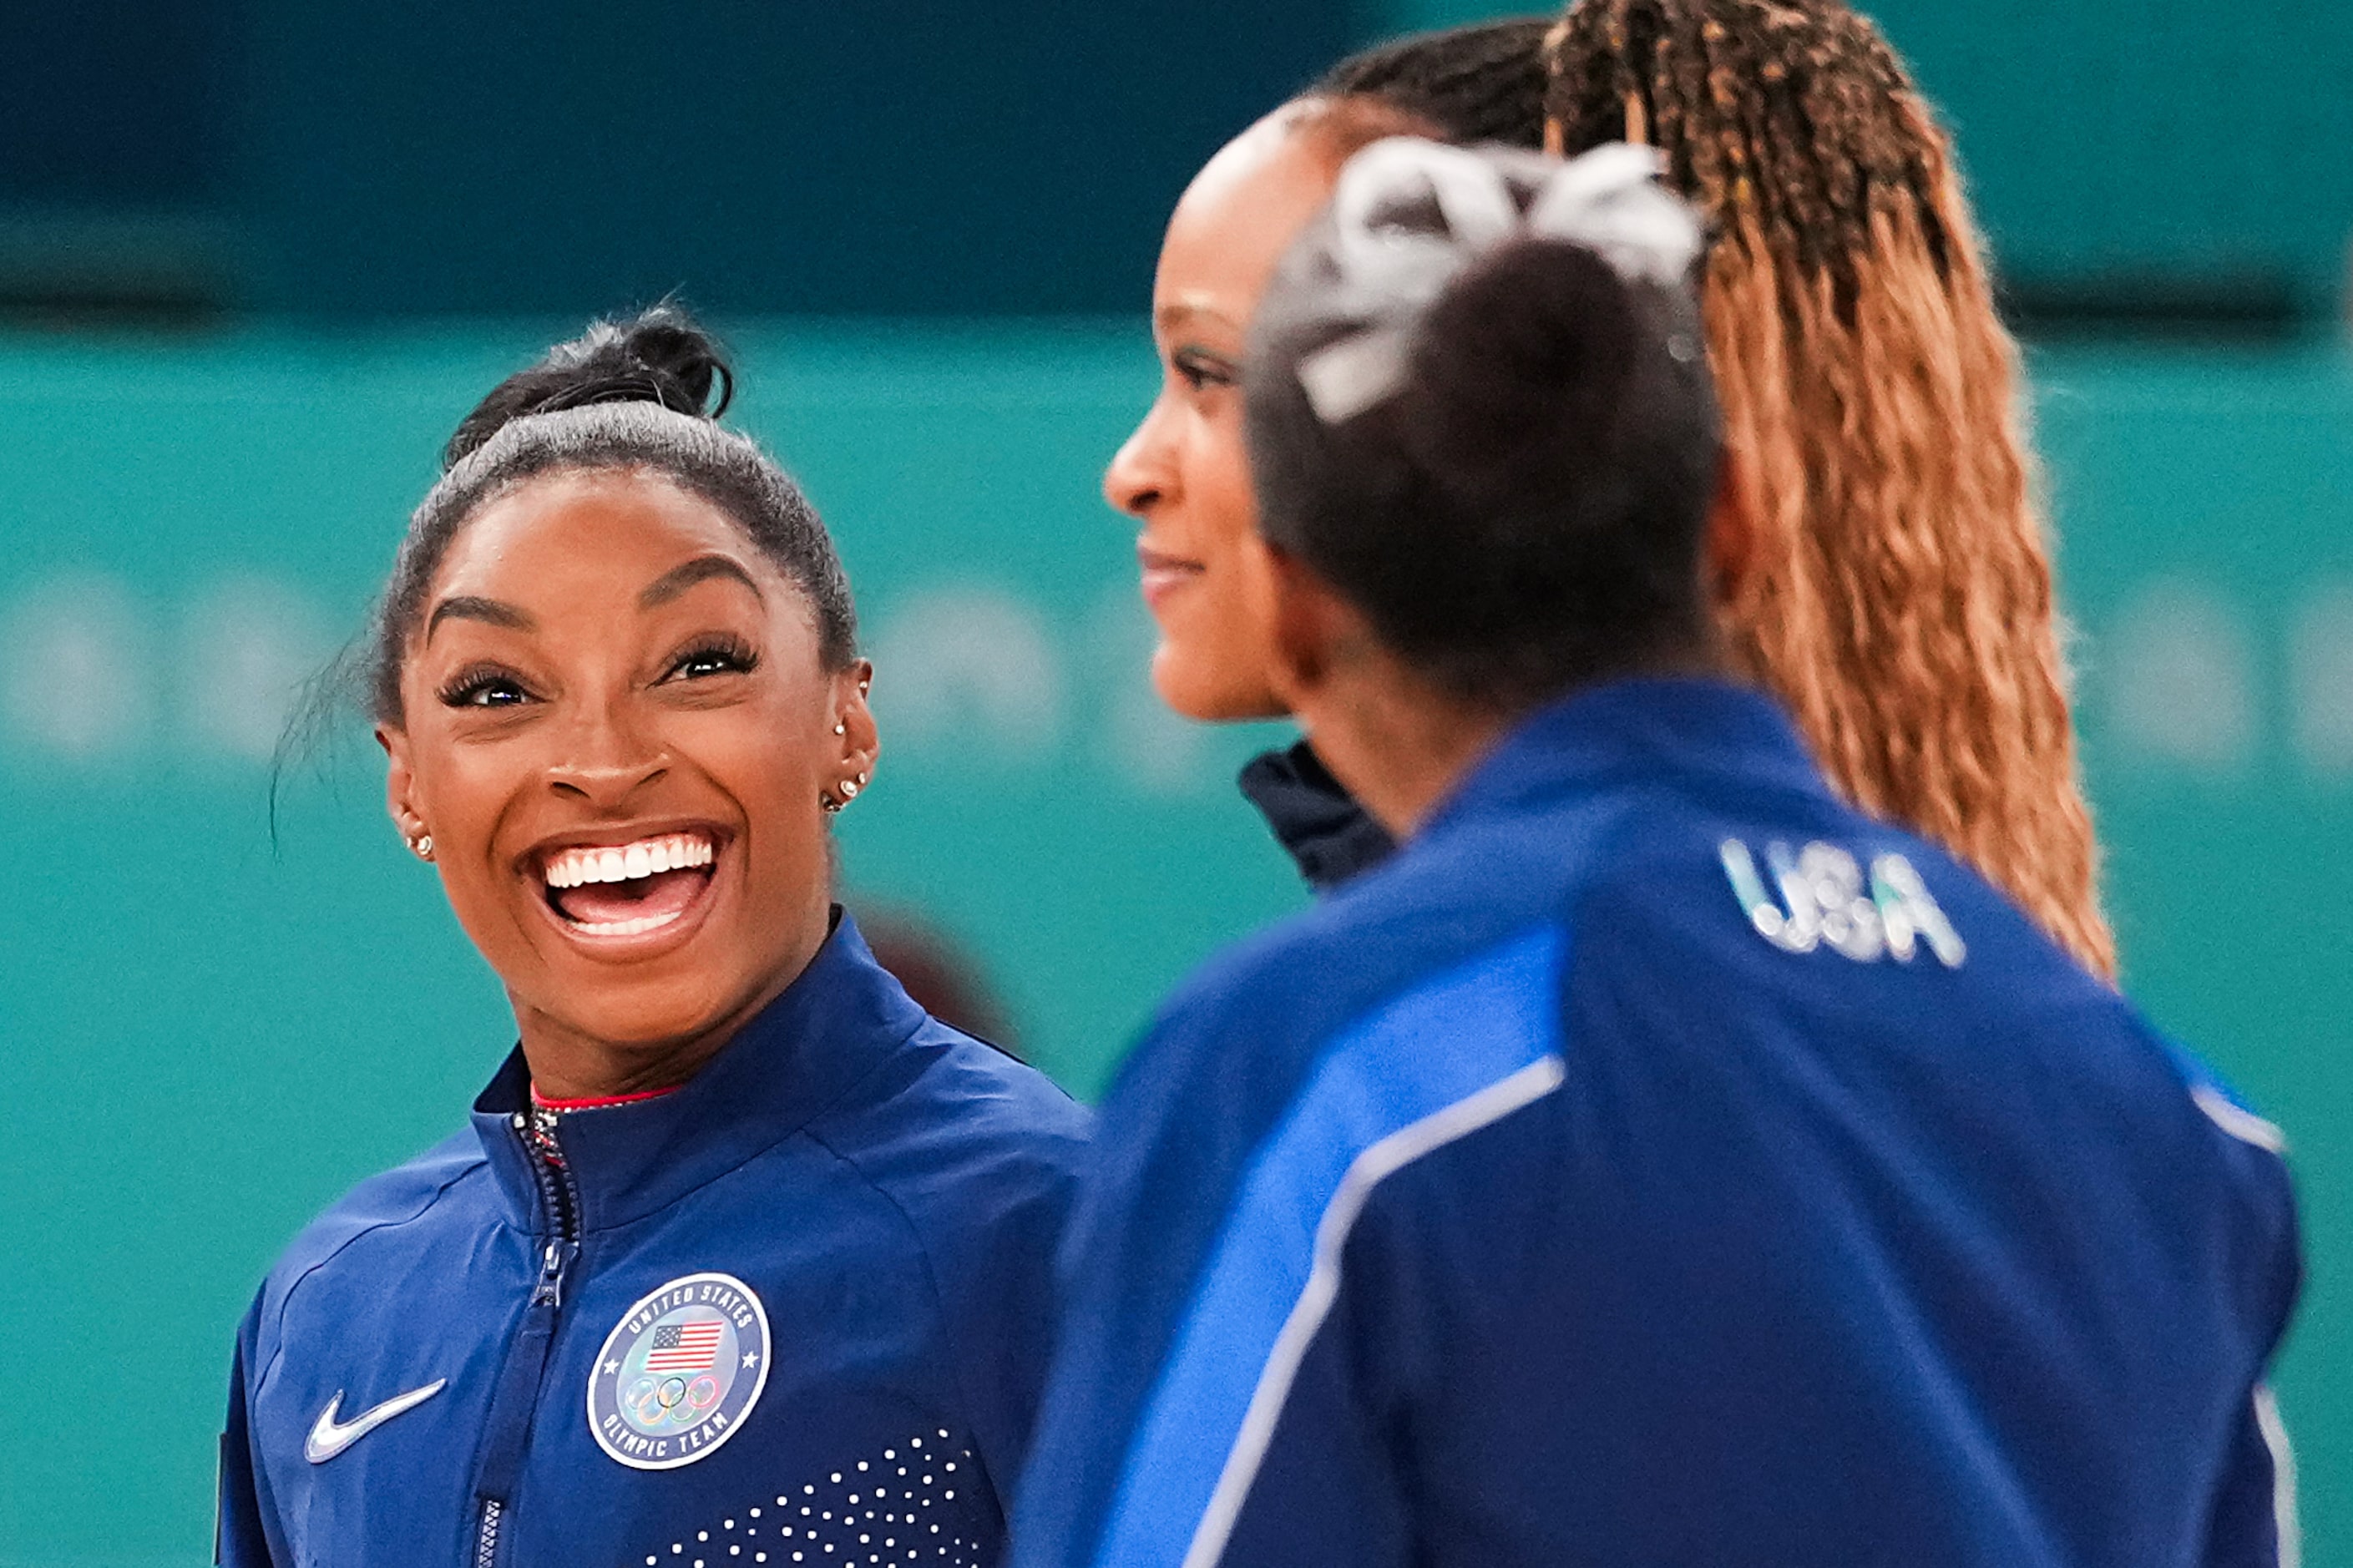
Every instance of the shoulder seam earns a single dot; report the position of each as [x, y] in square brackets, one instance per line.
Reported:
[276, 1325]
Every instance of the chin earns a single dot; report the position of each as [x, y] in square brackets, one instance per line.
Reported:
[1200, 691]
[648, 1015]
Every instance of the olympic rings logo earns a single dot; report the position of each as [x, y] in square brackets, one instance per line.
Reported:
[668, 1404]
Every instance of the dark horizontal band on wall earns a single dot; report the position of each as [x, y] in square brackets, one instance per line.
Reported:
[2249, 305]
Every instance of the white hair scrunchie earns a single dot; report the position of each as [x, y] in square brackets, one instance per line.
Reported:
[1607, 201]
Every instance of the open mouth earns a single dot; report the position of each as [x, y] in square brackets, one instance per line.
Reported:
[630, 890]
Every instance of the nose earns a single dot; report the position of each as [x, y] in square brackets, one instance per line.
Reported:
[604, 761]
[1142, 475]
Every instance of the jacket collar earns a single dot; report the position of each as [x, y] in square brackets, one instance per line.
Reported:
[1328, 836]
[828, 1030]
[1645, 727]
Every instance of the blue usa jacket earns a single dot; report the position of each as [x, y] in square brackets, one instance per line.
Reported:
[1658, 1163]
[795, 1312]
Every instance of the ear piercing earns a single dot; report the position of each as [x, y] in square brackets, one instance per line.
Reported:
[840, 728]
[848, 789]
[422, 846]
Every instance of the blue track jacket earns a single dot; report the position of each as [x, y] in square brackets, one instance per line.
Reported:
[1660, 1162]
[795, 1312]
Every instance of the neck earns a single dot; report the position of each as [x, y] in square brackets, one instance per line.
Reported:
[568, 1062]
[1399, 746]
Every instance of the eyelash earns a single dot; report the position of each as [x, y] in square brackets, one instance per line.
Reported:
[736, 655]
[473, 688]
[487, 686]
[1200, 371]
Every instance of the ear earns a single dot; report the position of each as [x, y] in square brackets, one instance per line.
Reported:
[399, 784]
[859, 743]
[1730, 547]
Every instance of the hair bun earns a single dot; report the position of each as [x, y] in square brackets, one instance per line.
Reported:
[659, 356]
[1522, 371]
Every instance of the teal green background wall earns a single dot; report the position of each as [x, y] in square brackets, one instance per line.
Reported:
[347, 162]
[2129, 143]
[205, 1037]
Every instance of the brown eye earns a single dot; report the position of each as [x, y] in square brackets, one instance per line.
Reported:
[722, 655]
[483, 689]
[1200, 370]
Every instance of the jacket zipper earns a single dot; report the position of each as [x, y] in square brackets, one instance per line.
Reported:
[486, 1546]
[517, 1397]
[560, 1197]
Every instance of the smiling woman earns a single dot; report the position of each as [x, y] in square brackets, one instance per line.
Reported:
[610, 670]
[615, 679]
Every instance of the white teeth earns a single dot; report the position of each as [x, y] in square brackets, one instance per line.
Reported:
[626, 862]
[629, 927]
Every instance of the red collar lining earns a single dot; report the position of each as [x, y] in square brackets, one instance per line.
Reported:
[596, 1101]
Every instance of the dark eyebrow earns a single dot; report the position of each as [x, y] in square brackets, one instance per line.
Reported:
[467, 607]
[701, 569]
[1177, 313]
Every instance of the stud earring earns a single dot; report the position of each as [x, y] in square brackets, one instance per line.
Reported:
[832, 807]
[422, 846]
[840, 728]
[850, 787]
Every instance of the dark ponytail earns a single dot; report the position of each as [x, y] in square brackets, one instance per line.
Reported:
[644, 394]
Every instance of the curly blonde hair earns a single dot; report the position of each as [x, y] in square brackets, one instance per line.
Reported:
[1900, 597]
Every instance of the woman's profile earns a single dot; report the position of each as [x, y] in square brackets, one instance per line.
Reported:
[744, 1258]
[1903, 606]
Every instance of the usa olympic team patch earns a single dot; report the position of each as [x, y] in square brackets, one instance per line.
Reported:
[680, 1373]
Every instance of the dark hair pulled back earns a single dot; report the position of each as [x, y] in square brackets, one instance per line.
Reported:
[1482, 82]
[1526, 510]
[635, 395]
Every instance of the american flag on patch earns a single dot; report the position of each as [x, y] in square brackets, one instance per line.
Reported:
[685, 1347]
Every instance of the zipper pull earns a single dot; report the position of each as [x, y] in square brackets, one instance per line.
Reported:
[549, 1290]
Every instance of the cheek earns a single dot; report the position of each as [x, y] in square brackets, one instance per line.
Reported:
[764, 755]
[1225, 526]
[1221, 479]
[467, 794]
[769, 758]
[464, 793]
[1212, 659]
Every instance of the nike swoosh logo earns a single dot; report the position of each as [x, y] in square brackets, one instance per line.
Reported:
[328, 1438]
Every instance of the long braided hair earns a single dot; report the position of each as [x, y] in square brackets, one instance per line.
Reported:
[1900, 601]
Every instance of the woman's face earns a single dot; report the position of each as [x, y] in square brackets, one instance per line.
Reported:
[1185, 474]
[616, 729]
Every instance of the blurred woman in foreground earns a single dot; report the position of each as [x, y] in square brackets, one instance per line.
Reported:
[1657, 1161]
[1900, 599]
[744, 1259]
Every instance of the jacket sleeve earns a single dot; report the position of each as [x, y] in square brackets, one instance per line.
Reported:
[1263, 1435]
[2254, 1523]
[244, 1530]
[1327, 1486]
